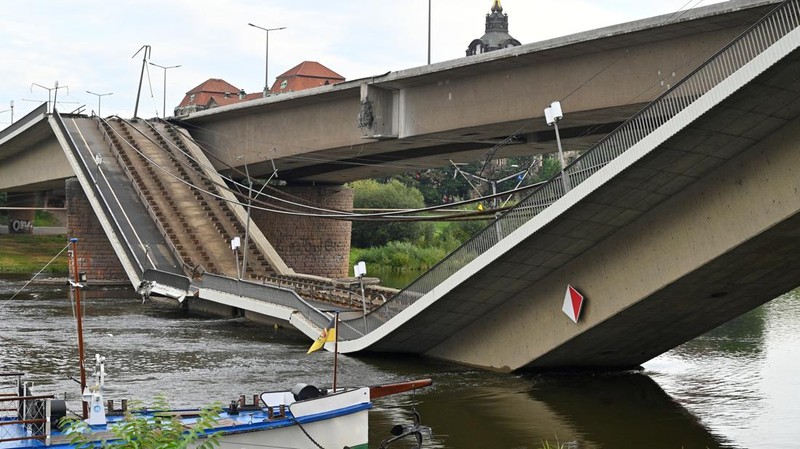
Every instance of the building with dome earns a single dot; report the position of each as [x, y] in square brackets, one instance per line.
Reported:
[496, 36]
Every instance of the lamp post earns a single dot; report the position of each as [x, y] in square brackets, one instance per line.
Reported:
[552, 115]
[99, 96]
[164, 110]
[235, 244]
[429, 32]
[360, 270]
[266, 55]
[49, 93]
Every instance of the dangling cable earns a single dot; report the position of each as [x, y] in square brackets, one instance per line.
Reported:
[34, 276]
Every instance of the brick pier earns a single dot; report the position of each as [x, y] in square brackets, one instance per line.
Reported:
[95, 254]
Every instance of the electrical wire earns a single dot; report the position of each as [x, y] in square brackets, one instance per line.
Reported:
[34, 277]
[341, 215]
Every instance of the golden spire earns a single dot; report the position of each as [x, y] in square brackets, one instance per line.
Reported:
[497, 7]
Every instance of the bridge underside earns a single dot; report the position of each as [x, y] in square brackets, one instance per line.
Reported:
[698, 232]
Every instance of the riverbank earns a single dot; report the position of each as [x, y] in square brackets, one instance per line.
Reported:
[22, 253]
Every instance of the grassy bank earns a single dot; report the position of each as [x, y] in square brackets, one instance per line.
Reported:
[29, 253]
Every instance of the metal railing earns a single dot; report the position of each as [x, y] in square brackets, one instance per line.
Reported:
[269, 294]
[84, 165]
[752, 42]
[103, 125]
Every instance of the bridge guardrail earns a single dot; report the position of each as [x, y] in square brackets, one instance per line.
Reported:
[102, 126]
[84, 166]
[753, 41]
[271, 294]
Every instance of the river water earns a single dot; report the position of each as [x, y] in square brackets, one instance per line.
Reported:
[735, 387]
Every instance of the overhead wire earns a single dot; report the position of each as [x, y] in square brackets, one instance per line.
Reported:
[397, 215]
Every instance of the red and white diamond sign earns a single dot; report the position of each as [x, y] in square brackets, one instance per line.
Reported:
[573, 303]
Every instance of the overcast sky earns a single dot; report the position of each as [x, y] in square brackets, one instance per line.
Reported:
[89, 45]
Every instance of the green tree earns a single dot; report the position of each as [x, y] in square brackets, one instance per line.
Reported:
[371, 194]
[150, 431]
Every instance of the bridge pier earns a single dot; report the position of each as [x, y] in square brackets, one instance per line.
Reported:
[96, 256]
[311, 245]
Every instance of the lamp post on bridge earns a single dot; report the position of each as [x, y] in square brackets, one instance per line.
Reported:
[164, 107]
[99, 96]
[552, 115]
[49, 93]
[266, 55]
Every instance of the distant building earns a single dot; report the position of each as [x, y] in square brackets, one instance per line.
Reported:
[496, 36]
[217, 92]
[305, 75]
[210, 94]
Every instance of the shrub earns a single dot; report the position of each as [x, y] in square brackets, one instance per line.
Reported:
[140, 431]
[371, 194]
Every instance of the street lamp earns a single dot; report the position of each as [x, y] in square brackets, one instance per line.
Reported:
[552, 115]
[360, 270]
[429, 32]
[236, 243]
[164, 110]
[99, 96]
[50, 93]
[266, 58]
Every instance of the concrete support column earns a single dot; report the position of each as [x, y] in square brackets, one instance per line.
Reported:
[95, 254]
[311, 245]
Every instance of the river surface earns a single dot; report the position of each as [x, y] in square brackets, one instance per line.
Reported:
[735, 387]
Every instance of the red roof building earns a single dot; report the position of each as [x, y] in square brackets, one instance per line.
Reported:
[216, 92]
[305, 75]
[210, 94]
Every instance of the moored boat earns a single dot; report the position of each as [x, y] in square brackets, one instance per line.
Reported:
[303, 417]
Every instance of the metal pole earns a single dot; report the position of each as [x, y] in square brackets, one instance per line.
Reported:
[335, 348]
[363, 303]
[266, 66]
[141, 76]
[429, 32]
[164, 107]
[247, 224]
[55, 96]
[78, 318]
[266, 54]
[164, 104]
[561, 157]
[99, 96]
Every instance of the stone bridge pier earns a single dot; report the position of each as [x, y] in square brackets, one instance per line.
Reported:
[308, 244]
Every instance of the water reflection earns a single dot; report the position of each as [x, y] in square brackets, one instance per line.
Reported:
[469, 408]
[740, 378]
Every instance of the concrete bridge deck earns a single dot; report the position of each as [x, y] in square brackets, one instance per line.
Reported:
[460, 109]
